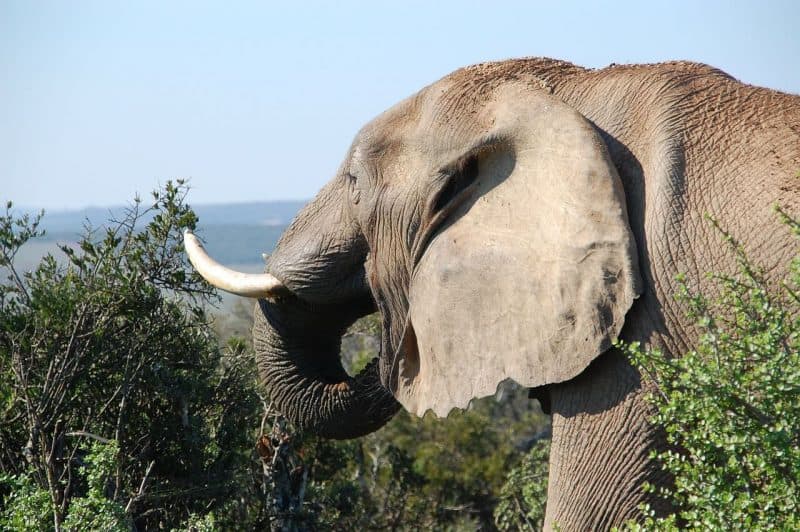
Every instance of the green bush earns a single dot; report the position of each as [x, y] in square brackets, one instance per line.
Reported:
[96, 511]
[524, 494]
[27, 506]
[731, 407]
[114, 346]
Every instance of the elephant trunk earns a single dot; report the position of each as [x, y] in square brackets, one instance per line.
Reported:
[298, 356]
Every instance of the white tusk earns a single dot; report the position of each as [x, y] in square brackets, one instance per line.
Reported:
[257, 285]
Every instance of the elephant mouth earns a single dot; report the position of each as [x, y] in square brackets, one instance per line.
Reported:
[298, 345]
[316, 328]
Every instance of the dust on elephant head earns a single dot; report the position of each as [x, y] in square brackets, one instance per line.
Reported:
[509, 222]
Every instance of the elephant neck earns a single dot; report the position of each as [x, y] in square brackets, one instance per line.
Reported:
[600, 453]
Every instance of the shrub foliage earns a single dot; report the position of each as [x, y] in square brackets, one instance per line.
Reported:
[731, 407]
[112, 347]
[524, 494]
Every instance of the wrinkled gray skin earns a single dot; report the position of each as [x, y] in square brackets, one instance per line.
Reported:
[685, 139]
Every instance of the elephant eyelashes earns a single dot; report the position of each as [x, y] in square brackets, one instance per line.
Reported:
[459, 179]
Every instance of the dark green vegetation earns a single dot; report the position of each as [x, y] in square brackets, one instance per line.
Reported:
[113, 348]
[125, 405]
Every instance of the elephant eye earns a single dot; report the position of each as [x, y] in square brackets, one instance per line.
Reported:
[355, 193]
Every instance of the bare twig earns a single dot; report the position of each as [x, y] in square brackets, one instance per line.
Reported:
[140, 493]
[9, 259]
[89, 435]
[267, 412]
[302, 491]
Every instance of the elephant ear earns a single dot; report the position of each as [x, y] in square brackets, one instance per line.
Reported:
[531, 277]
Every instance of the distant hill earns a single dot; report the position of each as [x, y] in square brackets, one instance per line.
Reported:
[256, 213]
[235, 234]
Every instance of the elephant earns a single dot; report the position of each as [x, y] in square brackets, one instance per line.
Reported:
[511, 221]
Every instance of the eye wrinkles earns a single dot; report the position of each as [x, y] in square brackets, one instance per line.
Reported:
[351, 181]
[396, 201]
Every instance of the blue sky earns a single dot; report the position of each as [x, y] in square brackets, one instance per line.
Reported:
[259, 101]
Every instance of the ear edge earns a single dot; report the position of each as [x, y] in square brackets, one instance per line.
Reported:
[409, 369]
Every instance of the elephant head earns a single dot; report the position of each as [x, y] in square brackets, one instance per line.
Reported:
[485, 221]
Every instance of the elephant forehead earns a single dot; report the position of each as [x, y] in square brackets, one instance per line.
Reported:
[427, 127]
[390, 128]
